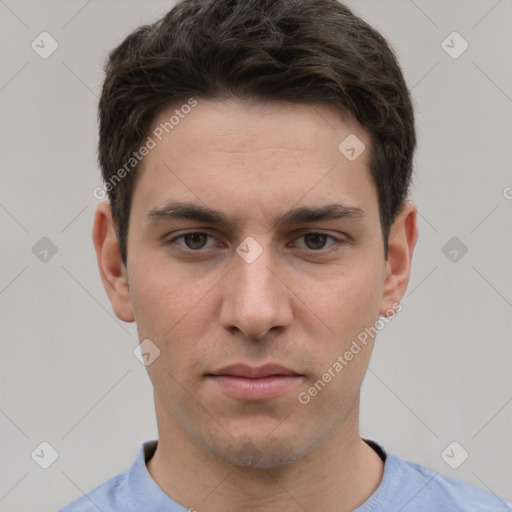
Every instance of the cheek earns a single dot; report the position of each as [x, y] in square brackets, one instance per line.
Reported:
[362, 300]
[348, 302]
[349, 306]
[162, 297]
[174, 313]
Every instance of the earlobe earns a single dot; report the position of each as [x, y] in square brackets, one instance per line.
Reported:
[402, 240]
[112, 270]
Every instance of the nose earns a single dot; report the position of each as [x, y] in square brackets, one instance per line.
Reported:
[255, 298]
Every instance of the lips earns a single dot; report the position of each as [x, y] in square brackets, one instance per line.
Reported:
[249, 383]
[249, 372]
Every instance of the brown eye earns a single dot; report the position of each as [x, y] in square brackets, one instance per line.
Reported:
[315, 241]
[195, 240]
[318, 242]
[191, 241]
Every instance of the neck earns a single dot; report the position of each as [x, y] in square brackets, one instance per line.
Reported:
[339, 475]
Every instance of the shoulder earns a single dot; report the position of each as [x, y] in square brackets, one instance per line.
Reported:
[128, 491]
[428, 489]
[106, 497]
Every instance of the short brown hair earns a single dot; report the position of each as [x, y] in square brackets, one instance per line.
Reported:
[286, 50]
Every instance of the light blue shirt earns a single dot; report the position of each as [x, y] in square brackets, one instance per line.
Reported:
[405, 487]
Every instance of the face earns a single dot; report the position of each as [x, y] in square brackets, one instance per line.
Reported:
[254, 241]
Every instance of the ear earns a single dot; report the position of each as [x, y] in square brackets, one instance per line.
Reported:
[112, 270]
[402, 239]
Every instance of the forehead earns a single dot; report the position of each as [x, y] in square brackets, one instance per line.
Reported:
[239, 126]
[252, 155]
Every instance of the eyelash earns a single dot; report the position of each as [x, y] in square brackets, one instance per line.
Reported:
[336, 245]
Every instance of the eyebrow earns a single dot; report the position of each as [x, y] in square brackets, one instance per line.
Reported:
[198, 213]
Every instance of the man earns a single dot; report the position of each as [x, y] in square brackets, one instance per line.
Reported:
[257, 156]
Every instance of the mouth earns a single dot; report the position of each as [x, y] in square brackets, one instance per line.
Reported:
[255, 383]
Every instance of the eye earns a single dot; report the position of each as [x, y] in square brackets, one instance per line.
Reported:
[193, 241]
[196, 241]
[317, 241]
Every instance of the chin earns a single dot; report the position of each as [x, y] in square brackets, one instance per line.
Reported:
[258, 451]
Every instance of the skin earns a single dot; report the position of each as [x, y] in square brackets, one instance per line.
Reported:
[301, 303]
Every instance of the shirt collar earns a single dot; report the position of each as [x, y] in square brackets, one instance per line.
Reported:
[144, 492]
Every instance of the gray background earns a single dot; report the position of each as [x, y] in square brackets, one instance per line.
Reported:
[441, 370]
